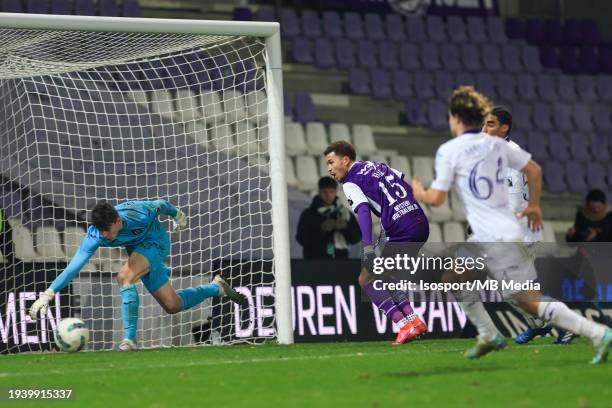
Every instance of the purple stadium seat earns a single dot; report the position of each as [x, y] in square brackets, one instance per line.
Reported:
[506, 87]
[289, 23]
[457, 29]
[84, 8]
[395, 27]
[381, 84]
[572, 33]
[311, 23]
[476, 29]
[537, 145]
[485, 83]
[518, 137]
[109, 8]
[491, 57]
[443, 84]
[388, 55]
[38, 6]
[511, 58]
[409, 57]
[449, 54]
[605, 59]
[569, 60]
[304, 108]
[470, 56]
[496, 31]
[566, 88]
[287, 106]
[526, 86]
[578, 145]
[366, 54]
[581, 114]
[465, 78]
[549, 57]
[553, 35]
[359, 81]
[575, 176]
[534, 31]
[62, 7]
[264, 13]
[345, 53]
[424, 82]
[415, 29]
[558, 146]
[590, 32]
[562, 114]
[374, 28]
[436, 29]
[547, 89]
[324, 53]
[604, 87]
[12, 6]
[515, 29]
[415, 114]
[402, 84]
[430, 56]
[521, 117]
[589, 60]
[602, 117]
[437, 113]
[600, 148]
[553, 177]
[542, 116]
[302, 51]
[596, 176]
[240, 13]
[530, 57]
[332, 25]
[353, 26]
[131, 8]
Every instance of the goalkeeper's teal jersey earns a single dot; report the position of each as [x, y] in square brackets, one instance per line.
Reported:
[140, 223]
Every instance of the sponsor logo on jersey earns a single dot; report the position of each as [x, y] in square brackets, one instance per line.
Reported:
[136, 231]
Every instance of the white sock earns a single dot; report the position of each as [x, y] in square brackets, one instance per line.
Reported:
[532, 322]
[563, 317]
[479, 317]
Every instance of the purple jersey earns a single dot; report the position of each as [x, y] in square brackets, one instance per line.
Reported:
[388, 195]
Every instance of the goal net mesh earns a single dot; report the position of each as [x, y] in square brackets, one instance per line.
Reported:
[90, 116]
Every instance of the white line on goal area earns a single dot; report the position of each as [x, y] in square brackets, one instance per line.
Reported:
[205, 363]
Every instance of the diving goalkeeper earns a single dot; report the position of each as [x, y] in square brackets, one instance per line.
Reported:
[135, 226]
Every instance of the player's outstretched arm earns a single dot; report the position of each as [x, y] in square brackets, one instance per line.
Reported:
[430, 196]
[533, 212]
[179, 217]
[364, 219]
[86, 250]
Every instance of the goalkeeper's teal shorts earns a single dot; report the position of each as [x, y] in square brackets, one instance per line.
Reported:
[155, 248]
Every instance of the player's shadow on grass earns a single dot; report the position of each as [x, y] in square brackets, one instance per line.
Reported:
[445, 371]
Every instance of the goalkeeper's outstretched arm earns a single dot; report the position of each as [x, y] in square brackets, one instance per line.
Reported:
[86, 250]
[165, 208]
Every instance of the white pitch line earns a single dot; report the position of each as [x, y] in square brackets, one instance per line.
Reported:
[202, 363]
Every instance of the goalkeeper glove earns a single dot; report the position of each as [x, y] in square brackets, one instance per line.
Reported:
[367, 259]
[42, 304]
[179, 222]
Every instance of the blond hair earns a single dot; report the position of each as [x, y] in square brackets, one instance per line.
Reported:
[470, 106]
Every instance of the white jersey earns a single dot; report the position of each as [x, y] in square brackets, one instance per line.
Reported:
[477, 164]
[518, 195]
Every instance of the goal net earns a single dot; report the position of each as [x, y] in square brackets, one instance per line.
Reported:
[93, 115]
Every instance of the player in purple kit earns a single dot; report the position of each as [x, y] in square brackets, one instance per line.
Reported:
[378, 188]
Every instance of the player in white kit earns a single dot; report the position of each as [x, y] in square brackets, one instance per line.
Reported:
[476, 165]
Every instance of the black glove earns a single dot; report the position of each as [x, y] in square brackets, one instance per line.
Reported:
[367, 258]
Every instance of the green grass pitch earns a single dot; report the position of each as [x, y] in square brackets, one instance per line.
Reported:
[422, 374]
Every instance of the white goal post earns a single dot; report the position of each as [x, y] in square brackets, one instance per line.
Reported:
[111, 57]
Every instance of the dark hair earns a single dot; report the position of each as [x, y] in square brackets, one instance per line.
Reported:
[341, 148]
[103, 215]
[327, 182]
[503, 115]
[596, 195]
[469, 106]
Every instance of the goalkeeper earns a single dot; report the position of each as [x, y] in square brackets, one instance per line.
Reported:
[135, 226]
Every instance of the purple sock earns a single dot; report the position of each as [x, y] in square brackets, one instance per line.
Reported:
[404, 306]
[384, 301]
